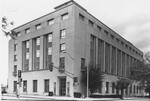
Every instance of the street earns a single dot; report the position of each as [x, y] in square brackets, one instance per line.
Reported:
[8, 97]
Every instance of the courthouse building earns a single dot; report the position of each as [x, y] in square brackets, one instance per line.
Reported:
[71, 38]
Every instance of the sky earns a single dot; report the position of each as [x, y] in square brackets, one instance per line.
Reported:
[129, 18]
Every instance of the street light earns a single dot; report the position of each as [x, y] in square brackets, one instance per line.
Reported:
[69, 55]
[73, 60]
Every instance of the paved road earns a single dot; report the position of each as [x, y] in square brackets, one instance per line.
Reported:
[25, 98]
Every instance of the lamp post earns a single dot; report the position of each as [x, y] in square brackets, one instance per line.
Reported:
[69, 72]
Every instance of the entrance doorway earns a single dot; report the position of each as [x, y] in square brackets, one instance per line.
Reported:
[62, 86]
[24, 86]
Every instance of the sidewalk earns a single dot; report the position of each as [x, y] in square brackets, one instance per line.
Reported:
[30, 97]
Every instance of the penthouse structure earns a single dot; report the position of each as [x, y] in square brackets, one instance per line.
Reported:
[71, 38]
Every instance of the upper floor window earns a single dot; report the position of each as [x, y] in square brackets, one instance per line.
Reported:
[50, 37]
[51, 21]
[126, 46]
[82, 63]
[62, 62]
[37, 53]
[65, 16]
[17, 34]
[122, 43]
[81, 17]
[62, 34]
[15, 47]
[15, 57]
[99, 28]
[62, 47]
[38, 26]
[37, 41]
[112, 37]
[27, 30]
[15, 68]
[91, 23]
[106, 32]
[49, 50]
[27, 55]
[27, 44]
[117, 40]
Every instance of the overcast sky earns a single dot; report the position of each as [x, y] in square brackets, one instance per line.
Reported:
[129, 18]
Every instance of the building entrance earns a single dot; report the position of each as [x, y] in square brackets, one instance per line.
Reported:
[62, 86]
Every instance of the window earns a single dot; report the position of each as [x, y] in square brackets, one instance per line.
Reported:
[62, 62]
[113, 87]
[27, 55]
[50, 37]
[49, 50]
[62, 47]
[15, 86]
[37, 53]
[81, 17]
[107, 87]
[18, 34]
[99, 28]
[112, 37]
[27, 44]
[122, 43]
[27, 30]
[15, 47]
[15, 70]
[46, 85]
[15, 57]
[130, 89]
[126, 46]
[75, 79]
[38, 26]
[34, 85]
[134, 89]
[37, 41]
[117, 40]
[106, 32]
[100, 87]
[62, 34]
[91, 23]
[51, 21]
[107, 58]
[82, 63]
[65, 16]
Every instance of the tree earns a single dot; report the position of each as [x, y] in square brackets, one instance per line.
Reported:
[147, 56]
[95, 78]
[141, 73]
[6, 28]
[121, 84]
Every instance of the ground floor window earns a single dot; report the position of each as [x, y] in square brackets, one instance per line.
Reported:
[113, 87]
[35, 85]
[107, 87]
[46, 85]
[54, 88]
[100, 87]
